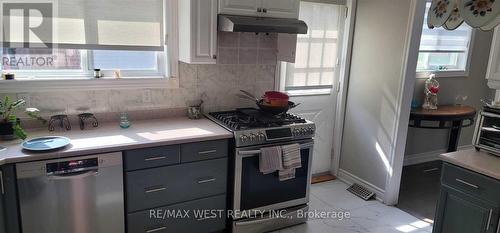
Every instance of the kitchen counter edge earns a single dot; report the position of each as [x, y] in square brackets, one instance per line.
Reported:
[478, 161]
[162, 127]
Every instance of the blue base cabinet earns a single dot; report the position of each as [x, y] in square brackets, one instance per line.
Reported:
[468, 203]
[177, 189]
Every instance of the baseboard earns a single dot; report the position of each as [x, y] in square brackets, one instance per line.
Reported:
[428, 156]
[350, 179]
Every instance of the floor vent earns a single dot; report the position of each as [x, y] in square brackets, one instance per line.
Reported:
[361, 192]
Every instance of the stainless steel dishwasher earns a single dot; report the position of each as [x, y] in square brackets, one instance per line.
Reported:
[72, 195]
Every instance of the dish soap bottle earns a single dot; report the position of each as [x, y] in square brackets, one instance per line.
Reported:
[124, 122]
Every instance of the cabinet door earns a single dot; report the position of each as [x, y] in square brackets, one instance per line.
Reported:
[204, 42]
[240, 7]
[198, 31]
[493, 73]
[9, 199]
[281, 8]
[458, 212]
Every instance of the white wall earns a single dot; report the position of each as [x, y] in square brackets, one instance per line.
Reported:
[375, 80]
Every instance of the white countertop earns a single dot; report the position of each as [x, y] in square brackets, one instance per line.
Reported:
[479, 161]
[109, 137]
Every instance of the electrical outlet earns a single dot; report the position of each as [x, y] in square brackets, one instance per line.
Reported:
[26, 98]
[146, 96]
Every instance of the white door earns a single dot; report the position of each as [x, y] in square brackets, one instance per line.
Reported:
[240, 7]
[312, 79]
[280, 8]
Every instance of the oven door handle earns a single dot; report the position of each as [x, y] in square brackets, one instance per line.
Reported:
[249, 152]
[267, 219]
[254, 152]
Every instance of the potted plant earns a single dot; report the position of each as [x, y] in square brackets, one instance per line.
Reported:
[10, 125]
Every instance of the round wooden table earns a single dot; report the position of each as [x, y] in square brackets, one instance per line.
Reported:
[453, 117]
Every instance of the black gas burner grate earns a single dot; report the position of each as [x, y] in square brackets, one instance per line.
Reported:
[251, 118]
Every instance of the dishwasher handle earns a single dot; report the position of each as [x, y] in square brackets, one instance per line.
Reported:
[72, 167]
[74, 174]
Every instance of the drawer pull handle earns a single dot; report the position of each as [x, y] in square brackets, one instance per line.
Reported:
[489, 220]
[467, 183]
[206, 181]
[155, 190]
[156, 229]
[431, 170]
[155, 158]
[206, 152]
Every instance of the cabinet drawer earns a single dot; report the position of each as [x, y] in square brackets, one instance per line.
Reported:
[475, 184]
[203, 150]
[173, 184]
[157, 220]
[151, 157]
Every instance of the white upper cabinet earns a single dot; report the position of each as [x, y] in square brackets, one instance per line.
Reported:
[261, 8]
[493, 73]
[198, 31]
[240, 7]
[281, 8]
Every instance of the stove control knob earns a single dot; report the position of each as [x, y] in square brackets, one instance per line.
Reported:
[310, 130]
[303, 131]
[297, 132]
[243, 138]
[252, 137]
[261, 136]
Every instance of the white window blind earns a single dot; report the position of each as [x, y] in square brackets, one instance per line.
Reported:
[103, 24]
[442, 50]
[316, 52]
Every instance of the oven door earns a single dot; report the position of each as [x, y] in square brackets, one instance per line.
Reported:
[254, 190]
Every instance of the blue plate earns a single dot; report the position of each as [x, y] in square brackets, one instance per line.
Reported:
[46, 143]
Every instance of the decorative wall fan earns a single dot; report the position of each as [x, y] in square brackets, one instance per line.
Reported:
[450, 14]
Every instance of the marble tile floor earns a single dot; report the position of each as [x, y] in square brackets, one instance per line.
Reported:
[365, 216]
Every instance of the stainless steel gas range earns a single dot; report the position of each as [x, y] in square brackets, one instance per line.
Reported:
[261, 202]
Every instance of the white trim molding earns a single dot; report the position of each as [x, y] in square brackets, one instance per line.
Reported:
[350, 179]
[405, 95]
[345, 67]
[444, 74]
[48, 85]
[428, 156]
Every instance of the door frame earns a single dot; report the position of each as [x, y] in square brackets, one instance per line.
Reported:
[405, 95]
[343, 80]
[342, 85]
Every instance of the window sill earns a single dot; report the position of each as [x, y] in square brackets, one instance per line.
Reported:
[313, 92]
[80, 84]
[443, 74]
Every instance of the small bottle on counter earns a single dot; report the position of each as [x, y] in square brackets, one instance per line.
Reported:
[97, 73]
[9, 76]
[117, 74]
[124, 122]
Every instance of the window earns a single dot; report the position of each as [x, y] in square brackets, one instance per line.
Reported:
[316, 57]
[37, 63]
[85, 35]
[443, 51]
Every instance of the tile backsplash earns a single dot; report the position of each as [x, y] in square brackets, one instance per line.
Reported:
[247, 48]
[216, 85]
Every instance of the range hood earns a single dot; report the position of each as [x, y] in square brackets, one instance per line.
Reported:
[234, 23]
